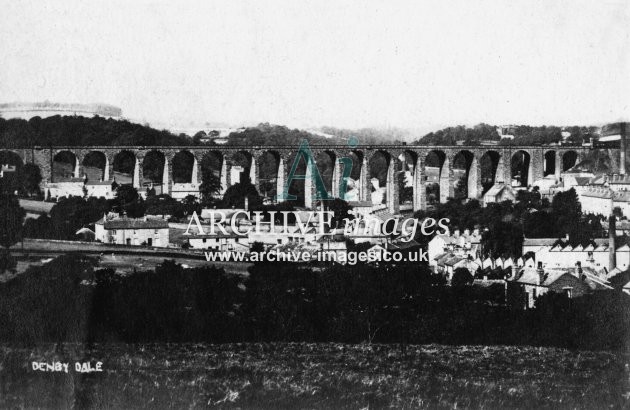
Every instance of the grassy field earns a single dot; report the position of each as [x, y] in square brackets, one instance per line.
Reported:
[280, 375]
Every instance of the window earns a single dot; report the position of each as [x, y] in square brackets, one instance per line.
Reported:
[568, 292]
[204, 240]
[156, 232]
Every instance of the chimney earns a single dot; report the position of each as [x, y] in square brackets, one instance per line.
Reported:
[612, 232]
[578, 269]
[622, 151]
[541, 273]
[514, 271]
[246, 203]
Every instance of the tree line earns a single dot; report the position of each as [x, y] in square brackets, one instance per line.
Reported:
[522, 135]
[505, 224]
[69, 299]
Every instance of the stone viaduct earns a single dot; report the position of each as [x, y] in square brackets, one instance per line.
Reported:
[442, 162]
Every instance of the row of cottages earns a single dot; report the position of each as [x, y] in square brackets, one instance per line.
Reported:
[107, 189]
[557, 253]
[529, 283]
[121, 230]
[489, 268]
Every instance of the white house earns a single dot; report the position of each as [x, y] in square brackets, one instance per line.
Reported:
[99, 189]
[71, 187]
[132, 231]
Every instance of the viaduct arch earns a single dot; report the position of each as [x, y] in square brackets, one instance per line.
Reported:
[267, 167]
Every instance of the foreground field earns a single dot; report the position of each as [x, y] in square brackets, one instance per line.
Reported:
[314, 376]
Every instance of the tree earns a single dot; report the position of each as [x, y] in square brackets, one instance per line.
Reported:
[461, 188]
[164, 205]
[341, 210]
[257, 247]
[235, 196]
[11, 222]
[127, 200]
[126, 194]
[461, 277]
[198, 137]
[209, 187]
[567, 210]
[503, 238]
[31, 178]
[540, 225]
[191, 204]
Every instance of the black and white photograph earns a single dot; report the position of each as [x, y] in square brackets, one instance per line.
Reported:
[283, 204]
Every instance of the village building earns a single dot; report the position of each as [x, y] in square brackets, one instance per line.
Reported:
[457, 245]
[597, 254]
[547, 183]
[220, 241]
[601, 200]
[528, 284]
[618, 182]
[132, 231]
[596, 201]
[576, 177]
[98, 189]
[447, 264]
[65, 189]
[605, 255]
[499, 192]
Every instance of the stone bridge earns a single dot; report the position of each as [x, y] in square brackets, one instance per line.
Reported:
[422, 165]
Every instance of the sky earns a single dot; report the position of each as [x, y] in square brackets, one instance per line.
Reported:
[351, 64]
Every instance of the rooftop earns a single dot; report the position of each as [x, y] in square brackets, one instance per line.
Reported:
[133, 223]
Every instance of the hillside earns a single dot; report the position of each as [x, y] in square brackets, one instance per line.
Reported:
[71, 130]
